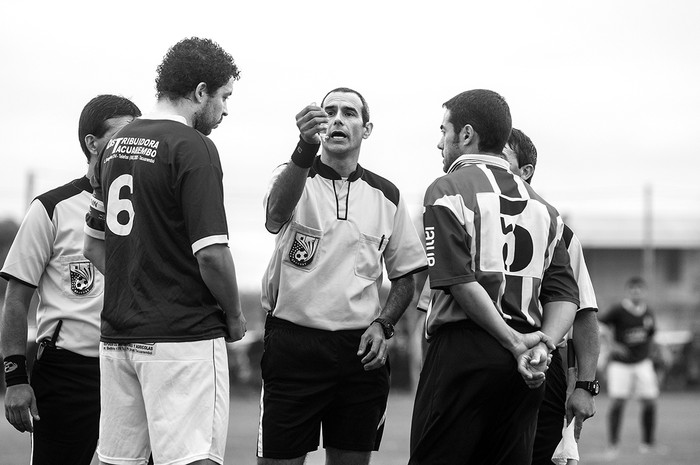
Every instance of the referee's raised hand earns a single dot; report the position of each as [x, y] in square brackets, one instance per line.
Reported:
[312, 121]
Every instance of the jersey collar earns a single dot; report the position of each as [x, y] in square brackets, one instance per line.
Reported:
[169, 116]
[327, 172]
[472, 159]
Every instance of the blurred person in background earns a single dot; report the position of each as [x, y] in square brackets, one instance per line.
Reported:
[628, 329]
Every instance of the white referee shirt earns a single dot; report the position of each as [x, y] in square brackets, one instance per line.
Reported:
[47, 254]
[329, 258]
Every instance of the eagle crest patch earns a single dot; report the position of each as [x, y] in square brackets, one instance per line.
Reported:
[82, 277]
[303, 249]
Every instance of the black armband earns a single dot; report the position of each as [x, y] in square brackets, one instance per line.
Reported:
[16, 370]
[304, 154]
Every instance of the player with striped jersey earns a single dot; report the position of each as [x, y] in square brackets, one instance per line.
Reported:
[501, 273]
[522, 157]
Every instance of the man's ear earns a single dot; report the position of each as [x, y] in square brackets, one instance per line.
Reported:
[527, 171]
[201, 92]
[368, 130]
[91, 144]
[468, 136]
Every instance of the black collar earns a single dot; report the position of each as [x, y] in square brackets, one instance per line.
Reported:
[327, 172]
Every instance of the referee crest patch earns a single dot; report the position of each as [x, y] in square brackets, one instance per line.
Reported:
[82, 277]
[303, 249]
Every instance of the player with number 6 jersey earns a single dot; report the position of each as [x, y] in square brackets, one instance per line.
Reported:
[157, 226]
[161, 183]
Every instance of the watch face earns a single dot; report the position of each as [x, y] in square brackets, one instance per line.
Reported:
[596, 388]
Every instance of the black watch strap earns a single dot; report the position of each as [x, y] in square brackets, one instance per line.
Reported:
[591, 386]
[387, 327]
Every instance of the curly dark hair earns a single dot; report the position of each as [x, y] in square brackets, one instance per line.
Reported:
[191, 61]
[487, 112]
[97, 111]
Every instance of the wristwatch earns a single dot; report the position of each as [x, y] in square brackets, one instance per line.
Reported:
[387, 327]
[591, 386]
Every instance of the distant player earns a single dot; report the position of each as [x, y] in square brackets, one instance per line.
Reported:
[522, 157]
[630, 328]
[157, 226]
[60, 402]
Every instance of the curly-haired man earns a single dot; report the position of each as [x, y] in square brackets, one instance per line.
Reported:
[157, 227]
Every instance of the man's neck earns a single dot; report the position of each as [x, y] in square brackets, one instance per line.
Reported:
[178, 107]
[344, 166]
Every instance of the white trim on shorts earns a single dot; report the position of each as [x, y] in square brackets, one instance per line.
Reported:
[182, 388]
[626, 380]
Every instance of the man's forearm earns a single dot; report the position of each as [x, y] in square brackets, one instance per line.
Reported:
[284, 195]
[476, 303]
[400, 296]
[219, 274]
[586, 344]
[557, 319]
[13, 322]
[94, 250]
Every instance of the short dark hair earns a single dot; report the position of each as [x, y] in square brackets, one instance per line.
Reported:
[191, 61]
[636, 281]
[487, 112]
[95, 114]
[365, 107]
[524, 149]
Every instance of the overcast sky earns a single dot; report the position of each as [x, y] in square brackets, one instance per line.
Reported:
[608, 91]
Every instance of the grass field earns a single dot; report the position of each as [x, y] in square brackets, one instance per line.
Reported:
[678, 430]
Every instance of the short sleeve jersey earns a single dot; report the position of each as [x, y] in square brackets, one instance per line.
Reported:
[329, 258]
[158, 200]
[47, 254]
[578, 265]
[634, 327]
[484, 224]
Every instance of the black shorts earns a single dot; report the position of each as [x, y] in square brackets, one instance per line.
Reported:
[312, 379]
[472, 406]
[67, 390]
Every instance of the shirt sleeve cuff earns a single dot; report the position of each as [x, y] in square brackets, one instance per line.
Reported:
[94, 233]
[207, 241]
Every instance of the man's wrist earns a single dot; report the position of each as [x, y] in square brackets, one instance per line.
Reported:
[386, 325]
[15, 370]
[304, 153]
[592, 387]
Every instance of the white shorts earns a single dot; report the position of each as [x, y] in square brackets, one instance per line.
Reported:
[171, 399]
[626, 380]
